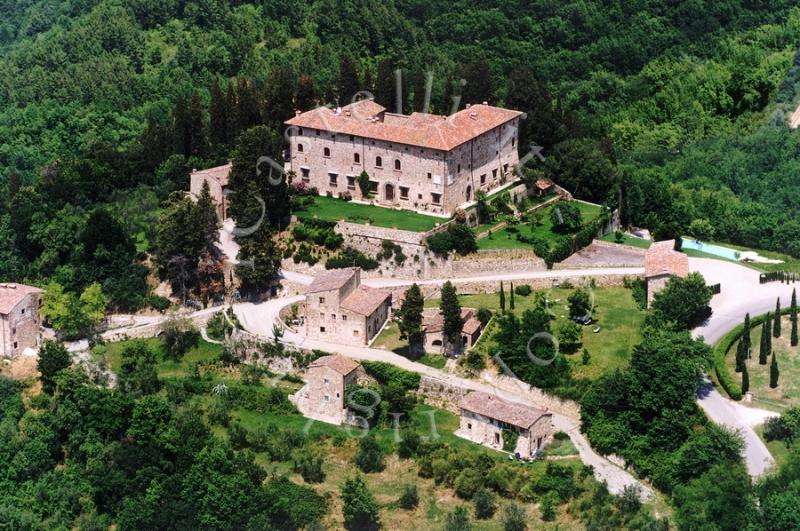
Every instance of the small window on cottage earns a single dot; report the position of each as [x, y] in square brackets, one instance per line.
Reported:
[458, 168]
[497, 438]
[436, 198]
[397, 164]
[327, 398]
[299, 130]
[333, 316]
[13, 331]
[494, 173]
[355, 333]
[404, 192]
[505, 168]
[419, 196]
[344, 318]
[351, 182]
[430, 175]
[322, 300]
[326, 152]
[337, 395]
[513, 141]
[23, 311]
[321, 328]
[325, 380]
[299, 148]
[332, 179]
[317, 132]
[483, 178]
[15, 344]
[305, 173]
[356, 158]
[469, 425]
[378, 162]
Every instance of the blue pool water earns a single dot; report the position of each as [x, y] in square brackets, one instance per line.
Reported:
[710, 248]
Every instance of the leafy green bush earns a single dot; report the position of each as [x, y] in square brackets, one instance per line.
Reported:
[387, 373]
[523, 290]
[510, 438]
[458, 237]
[409, 498]
[309, 466]
[350, 257]
[369, 457]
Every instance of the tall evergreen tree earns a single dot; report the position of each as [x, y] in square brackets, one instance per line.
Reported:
[348, 83]
[358, 506]
[231, 103]
[745, 379]
[53, 358]
[197, 128]
[411, 319]
[209, 221]
[776, 324]
[542, 124]
[793, 317]
[774, 373]
[511, 296]
[741, 356]
[218, 118]
[420, 84]
[306, 93]
[502, 298]
[247, 113]
[155, 142]
[384, 84]
[181, 128]
[746, 339]
[763, 351]
[279, 91]
[479, 87]
[450, 309]
[14, 183]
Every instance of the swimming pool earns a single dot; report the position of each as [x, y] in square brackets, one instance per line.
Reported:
[710, 248]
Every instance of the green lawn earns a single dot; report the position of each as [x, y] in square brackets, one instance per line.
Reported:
[389, 339]
[203, 352]
[616, 313]
[506, 238]
[332, 209]
[789, 263]
[787, 394]
[627, 239]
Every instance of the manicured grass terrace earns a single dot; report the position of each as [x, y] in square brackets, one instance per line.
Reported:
[333, 209]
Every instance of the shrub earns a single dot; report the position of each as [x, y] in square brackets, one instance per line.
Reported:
[458, 237]
[514, 518]
[468, 482]
[409, 498]
[158, 303]
[458, 520]
[510, 438]
[565, 217]
[310, 468]
[548, 506]
[485, 505]
[474, 360]
[350, 257]
[409, 444]
[369, 457]
[484, 316]
[387, 373]
[304, 254]
[523, 290]
[179, 336]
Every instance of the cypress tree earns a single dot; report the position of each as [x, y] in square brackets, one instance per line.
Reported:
[793, 317]
[741, 355]
[384, 84]
[763, 350]
[511, 294]
[232, 127]
[348, 83]
[411, 319]
[218, 117]
[502, 298]
[197, 130]
[746, 336]
[181, 133]
[776, 324]
[773, 372]
[745, 380]
[450, 309]
[306, 93]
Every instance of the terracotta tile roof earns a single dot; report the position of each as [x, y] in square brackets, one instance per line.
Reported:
[494, 407]
[433, 320]
[471, 326]
[364, 300]
[331, 279]
[12, 294]
[662, 258]
[367, 119]
[543, 184]
[338, 363]
[219, 173]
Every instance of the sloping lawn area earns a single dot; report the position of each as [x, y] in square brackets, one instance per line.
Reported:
[616, 313]
[333, 209]
[506, 238]
[204, 352]
[627, 239]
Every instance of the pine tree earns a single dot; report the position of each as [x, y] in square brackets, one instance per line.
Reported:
[197, 128]
[748, 344]
[741, 356]
[776, 324]
[306, 93]
[502, 298]
[450, 309]
[348, 83]
[773, 372]
[763, 350]
[209, 221]
[745, 380]
[181, 132]
[511, 295]
[218, 118]
[411, 319]
[793, 317]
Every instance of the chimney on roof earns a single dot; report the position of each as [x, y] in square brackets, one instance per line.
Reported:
[486, 103]
[473, 115]
[347, 112]
[298, 112]
[468, 105]
[338, 110]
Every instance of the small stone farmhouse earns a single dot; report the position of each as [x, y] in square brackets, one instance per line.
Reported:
[19, 318]
[340, 309]
[323, 396]
[433, 326]
[661, 263]
[421, 161]
[485, 418]
[217, 179]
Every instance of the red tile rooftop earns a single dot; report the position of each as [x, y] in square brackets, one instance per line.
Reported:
[662, 258]
[496, 408]
[338, 363]
[11, 294]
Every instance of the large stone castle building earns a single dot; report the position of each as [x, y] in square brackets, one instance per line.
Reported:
[421, 161]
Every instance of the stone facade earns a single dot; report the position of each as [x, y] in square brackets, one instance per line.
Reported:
[436, 343]
[661, 263]
[419, 162]
[19, 318]
[323, 396]
[485, 419]
[339, 309]
[217, 179]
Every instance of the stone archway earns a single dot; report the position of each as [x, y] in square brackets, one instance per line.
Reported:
[389, 192]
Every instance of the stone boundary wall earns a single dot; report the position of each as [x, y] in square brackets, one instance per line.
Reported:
[148, 330]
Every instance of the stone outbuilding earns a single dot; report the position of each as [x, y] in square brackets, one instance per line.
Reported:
[661, 263]
[217, 179]
[486, 419]
[323, 396]
[19, 318]
[433, 328]
[340, 309]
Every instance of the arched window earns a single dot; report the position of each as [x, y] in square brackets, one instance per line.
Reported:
[326, 152]
[378, 162]
[397, 164]
[299, 148]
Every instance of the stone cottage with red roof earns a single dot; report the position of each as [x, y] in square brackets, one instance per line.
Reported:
[323, 396]
[340, 309]
[19, 318]
[420, 161]
[486, 419]
[661, 263]
[217, 179]
[433, 328]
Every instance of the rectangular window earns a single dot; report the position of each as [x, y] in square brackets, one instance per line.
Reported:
[327, 398]
[352, 138]
[351, 182]
[436, 199]
[305, 173]
[321, 328]
[430, 175]
[356, 158]
[332, 178]
[469, 426]
[322, 300]
[450, 180]
[404, 192]
[373, 187]
[333, 316]
[23, 311]
[505, 168]
[15, 344]
[483, 178]
[344, 318]
[497, 438]
[355, 333]
[325, 380]
[494, 173]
